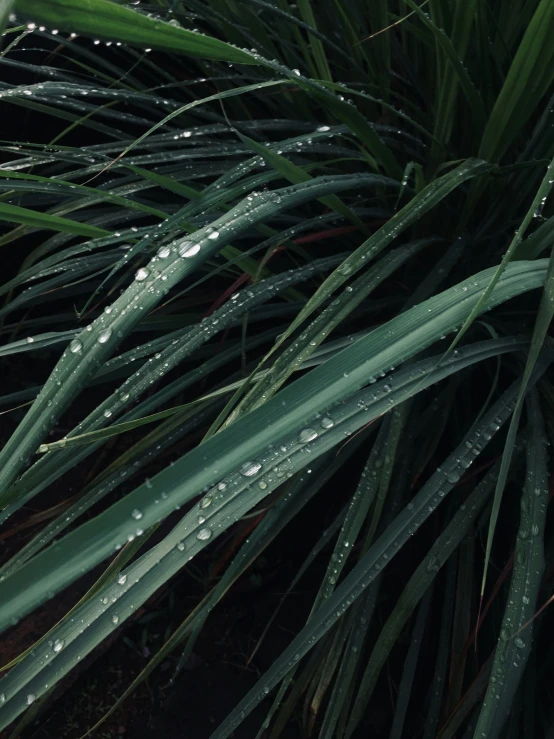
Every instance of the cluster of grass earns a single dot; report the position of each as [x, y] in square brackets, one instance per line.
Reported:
[270, 232]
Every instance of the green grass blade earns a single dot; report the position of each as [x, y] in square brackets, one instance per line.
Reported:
[100, 541]
[377, 558]
[420, 581]
[110, 21]
[151, 284]
[34, 219]
[530, 76]
[410, 667]
[514, 643]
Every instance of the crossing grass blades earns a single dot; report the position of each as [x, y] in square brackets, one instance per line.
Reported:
[288, 248]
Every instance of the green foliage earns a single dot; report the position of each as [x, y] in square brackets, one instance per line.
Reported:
[240, 234]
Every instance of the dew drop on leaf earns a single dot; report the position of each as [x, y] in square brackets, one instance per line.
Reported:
[250, 468]
[204, 534]
[136, 514]
[188, 249]
[141, 274]
[104, 336]
[307, 435]
[75, 346]
[58, 645]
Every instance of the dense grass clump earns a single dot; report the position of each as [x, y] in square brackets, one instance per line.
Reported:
[283, 272]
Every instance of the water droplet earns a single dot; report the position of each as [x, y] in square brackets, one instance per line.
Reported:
[188, 249]
[75, 346]
[250, 468]
[204, 534]
[58, 645]
[122, 579]
[115, 618]
[31, 698]
[453, 477]
[104, 336]
[136, 514]
[164, 252]
[327, 422]
[307, 435]
[205, 502]
[181, 546]
[322, 129]
[213, 235]
[141, 274]
[262, 484]
[520, 644]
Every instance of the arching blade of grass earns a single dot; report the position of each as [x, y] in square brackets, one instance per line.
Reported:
[326, 321]
[149, 287]
[50, 468]
[354, 417]
[377, 558]
[369, 249]
[218, 510]
[333, 381]
[158, 366]
[35, 183]
[515, 640]
[38, 341]
[420, 204]
[34, 219]
[110, 21]
[294, 498]
[131, 462]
